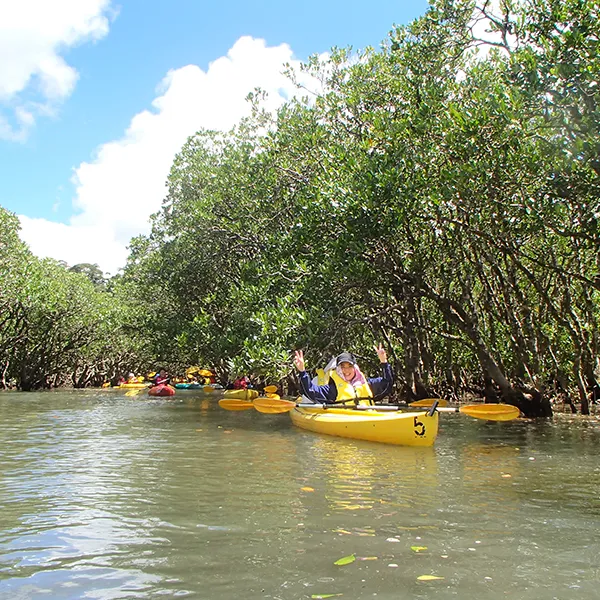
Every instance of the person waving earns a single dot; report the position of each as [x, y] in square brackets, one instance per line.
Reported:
[345, 381]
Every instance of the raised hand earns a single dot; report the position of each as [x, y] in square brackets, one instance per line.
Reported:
[299, 360]
[381, 353]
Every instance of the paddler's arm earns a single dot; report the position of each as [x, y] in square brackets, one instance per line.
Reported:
[317, 393]
[382, 386]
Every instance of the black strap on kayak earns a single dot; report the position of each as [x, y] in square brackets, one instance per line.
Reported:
[324, 405]
[344, 403]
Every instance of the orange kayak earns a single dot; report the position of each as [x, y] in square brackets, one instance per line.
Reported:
[161, 390]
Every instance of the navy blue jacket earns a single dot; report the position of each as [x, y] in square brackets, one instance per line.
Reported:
[380, 386]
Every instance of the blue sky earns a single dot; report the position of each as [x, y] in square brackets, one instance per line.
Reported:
[95, 90]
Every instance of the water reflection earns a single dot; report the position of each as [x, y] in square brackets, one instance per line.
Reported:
[358, 474]
[67, 501]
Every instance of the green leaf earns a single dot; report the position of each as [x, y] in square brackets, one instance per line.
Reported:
[418, 548]
[346, 560]
[325, 595]
[428, 577]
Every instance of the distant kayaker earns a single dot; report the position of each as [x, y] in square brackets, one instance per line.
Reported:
[161, 378]
[117, 380]
[241, 383]
[346, 381]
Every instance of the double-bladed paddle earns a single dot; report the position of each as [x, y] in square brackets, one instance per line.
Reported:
[488, 412]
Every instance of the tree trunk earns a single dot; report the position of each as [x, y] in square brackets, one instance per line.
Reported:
[530, 402]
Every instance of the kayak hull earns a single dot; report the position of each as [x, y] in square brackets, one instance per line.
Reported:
[133, 386]
[161, 390]
[399, 428]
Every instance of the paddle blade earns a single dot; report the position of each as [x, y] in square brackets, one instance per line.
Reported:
[273, 406]
[132, 392]
[270, 389]
[207, 389]
[241, 394]
[428, 402]
[233, 404]
[491, 412]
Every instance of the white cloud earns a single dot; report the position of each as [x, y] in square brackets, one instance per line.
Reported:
[73, 244]
[125, 183]
[34, 76]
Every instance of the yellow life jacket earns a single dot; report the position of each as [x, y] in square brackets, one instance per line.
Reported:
[322, 376]
[346, 391]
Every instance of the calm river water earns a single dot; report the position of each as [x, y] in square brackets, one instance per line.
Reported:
[108, 496]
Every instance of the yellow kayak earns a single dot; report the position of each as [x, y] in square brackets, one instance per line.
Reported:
[400, 428]
[133, 386]
[241, 394]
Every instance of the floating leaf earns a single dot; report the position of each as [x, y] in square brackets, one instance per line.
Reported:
[418, 548]
[307, 489]
[428, 577]
[346, 560]
[342, 531]
[325, 595]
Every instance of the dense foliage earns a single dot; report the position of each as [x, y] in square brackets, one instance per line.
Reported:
[58, 326]
[440, 194]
